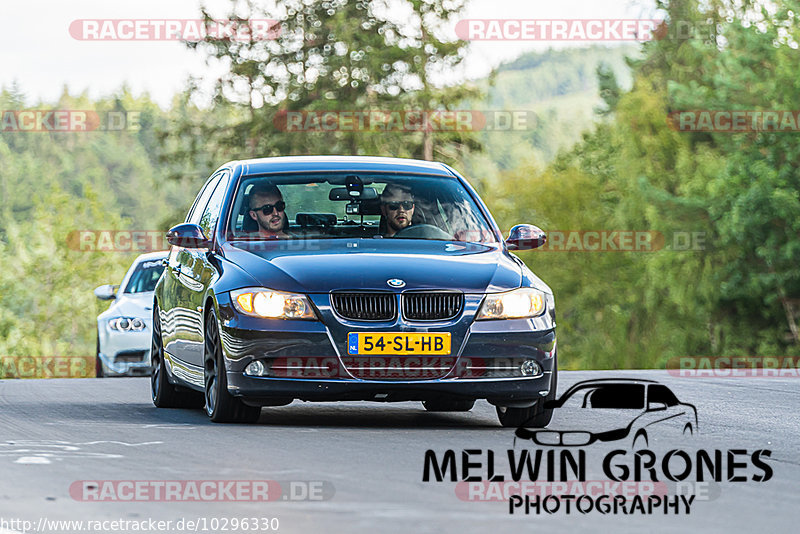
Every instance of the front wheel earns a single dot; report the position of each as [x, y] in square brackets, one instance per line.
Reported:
[164, 394]
[536, 416]
[516, 417]
[221, 406]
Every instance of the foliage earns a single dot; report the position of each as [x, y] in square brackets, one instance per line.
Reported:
[626, 167]
[738, 292]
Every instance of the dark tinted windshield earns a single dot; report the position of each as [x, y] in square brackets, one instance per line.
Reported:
[145, 276]
[345, 205]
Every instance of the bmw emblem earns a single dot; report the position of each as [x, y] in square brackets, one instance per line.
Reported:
[396, 282]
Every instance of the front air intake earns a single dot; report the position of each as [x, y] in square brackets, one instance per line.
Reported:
[365, 306]
[432, 306]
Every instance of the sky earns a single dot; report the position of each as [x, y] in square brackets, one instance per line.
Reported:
[39, 53]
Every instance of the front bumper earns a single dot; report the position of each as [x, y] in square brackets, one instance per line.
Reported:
[112, 366]
[506, 392]
[125, 353]
[492, 344]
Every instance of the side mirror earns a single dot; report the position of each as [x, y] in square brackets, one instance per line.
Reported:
[187, 235]
[106, 292]
[525, 237]
[656, 406]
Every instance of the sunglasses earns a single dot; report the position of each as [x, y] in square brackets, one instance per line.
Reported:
[394, 206]
[266, 209]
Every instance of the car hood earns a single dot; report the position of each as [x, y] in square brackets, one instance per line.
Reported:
[319, 266]
[131, 305]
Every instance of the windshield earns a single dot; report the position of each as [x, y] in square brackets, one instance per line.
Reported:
[145, 276]
[347, 205]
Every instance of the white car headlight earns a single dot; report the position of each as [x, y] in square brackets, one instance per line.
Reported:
[267, 303]
[126, 324]
[517, 304]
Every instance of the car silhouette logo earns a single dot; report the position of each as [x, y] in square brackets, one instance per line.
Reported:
[396, 282]
[625, 408]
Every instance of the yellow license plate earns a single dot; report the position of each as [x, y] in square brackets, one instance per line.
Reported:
[421, 343]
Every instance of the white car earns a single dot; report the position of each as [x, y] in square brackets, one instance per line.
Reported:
[123, 330]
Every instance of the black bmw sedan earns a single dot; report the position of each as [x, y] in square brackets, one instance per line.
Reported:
[350, 278]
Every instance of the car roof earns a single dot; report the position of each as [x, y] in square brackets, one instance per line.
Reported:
[607, 380]
[601, 381]
[342, 164]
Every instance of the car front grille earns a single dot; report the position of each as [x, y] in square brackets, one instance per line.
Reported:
[402, 368]
[432, 306]
[365, 306]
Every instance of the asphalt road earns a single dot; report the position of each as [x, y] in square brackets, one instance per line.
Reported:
[367, 458]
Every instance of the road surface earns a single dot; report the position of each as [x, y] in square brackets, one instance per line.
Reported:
[364, 461]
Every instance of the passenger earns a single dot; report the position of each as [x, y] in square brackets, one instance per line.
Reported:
[397, 208]
[267, 208]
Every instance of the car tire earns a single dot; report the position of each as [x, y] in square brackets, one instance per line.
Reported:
[220, 405]
[98, 363]
[163, 393]
[449, 405]
[536, 416]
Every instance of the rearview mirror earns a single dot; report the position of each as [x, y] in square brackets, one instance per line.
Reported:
[106, 292]
[342, 193]
[525, 237]
[187, 235]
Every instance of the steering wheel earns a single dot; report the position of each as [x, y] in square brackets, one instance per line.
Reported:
[423, 231]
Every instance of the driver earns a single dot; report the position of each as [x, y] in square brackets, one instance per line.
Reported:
[267, 208]
[397, 207]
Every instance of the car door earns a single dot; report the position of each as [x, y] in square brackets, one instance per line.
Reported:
[179, 320]
[198, 273]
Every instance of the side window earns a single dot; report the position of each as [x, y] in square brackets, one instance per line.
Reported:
[659, 393]
[211, 213]
[618, 397]
[202, 199]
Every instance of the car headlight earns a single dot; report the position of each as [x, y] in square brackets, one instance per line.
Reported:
[517, 304]
[126, 324]
[267, 303]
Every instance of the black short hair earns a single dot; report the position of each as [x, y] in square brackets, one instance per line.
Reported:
[392, 189]
[263, 189]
